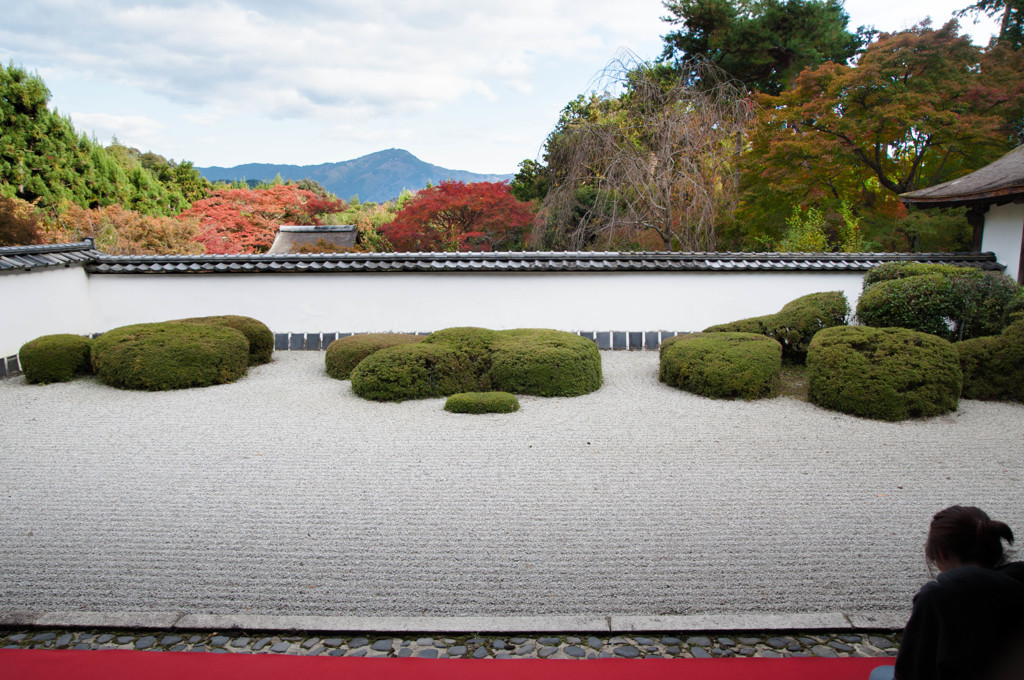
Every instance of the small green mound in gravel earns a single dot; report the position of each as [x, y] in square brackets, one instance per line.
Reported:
[795, 324]
[170, 355]
[416, 371]
[55, 358]
[539, 362]
[883, 373]
[482, 402]
[545, 363]
[722, 365]
[993, 366]
[344, 354]
[259, 336]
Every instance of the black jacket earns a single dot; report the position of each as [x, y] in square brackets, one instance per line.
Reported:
[968, 624]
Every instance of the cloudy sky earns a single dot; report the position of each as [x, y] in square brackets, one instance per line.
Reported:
[465, 84]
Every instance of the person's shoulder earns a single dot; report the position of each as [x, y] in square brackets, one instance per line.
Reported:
[1014, 570]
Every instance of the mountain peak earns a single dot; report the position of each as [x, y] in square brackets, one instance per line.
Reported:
[377, 176]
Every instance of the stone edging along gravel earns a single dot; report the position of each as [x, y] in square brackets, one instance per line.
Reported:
[474, 646]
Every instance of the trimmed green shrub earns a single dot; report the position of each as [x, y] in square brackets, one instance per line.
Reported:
[545, 363]
[890, 271]
[344, 354]
[476, 344]
[55, 358]
[170, 355]
[796, 323]
[524, 361]
[482, 402]
[260, 338]
[414, 371]
[993, 367]
[722, 365]
[956, 303]
[883, 373]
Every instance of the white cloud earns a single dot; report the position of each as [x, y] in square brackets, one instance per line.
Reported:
[138, 129]
[392, 56]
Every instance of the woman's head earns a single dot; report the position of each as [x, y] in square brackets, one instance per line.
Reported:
[966, 535]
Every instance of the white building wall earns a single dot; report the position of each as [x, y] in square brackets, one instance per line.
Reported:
[42, 302]
[572, 301]
[1004, 230]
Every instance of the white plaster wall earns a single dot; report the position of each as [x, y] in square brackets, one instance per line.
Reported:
[42, 302]
[1004, 229]
[687, 301]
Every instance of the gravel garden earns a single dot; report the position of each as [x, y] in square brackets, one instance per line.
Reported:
[928, 334]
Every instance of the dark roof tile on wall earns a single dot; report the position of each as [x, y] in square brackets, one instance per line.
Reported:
[524, 261]
[27, 258]
[84, 253]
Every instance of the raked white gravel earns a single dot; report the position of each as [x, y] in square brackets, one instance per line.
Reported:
[285, 494]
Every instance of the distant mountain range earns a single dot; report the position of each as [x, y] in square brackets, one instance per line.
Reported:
[377, 177]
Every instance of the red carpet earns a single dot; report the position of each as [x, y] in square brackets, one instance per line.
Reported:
[32, 664]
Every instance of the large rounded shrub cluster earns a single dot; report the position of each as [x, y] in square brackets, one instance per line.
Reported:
[482, 402]
[796, 323]
[883, 373]
[956, 303]
[55, 358]
[170, 355]
[993, 366]
[524, 361]
[259, 336]
[722, 365]
[344, 354]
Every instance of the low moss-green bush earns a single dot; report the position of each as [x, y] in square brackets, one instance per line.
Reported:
[883, 373]
[344, 354]
[722, 365]
[475, 344]
[545, 363]
[523, 361]
[796, 323]
[414, 371]
[170, 355]
[956, 303]
[993, 366]
[258, 335]
[55, 358]
[482, 402]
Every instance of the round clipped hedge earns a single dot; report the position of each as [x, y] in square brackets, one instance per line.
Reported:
[55, 358]
[170, 355]
[475, 344]
[344, 354]
[796, 323]
[413, 371]
[259, 336]
[993, 366]
[482, 402]
[545, 363]
[722, 365]
[956, 303]
[524, 361]
[883, 373]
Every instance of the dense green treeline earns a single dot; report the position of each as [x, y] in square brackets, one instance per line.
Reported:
[45, 161]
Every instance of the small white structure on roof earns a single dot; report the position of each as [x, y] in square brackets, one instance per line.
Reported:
[994, 195]
[291, 237]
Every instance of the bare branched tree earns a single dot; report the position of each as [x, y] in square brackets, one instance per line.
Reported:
[651, 151]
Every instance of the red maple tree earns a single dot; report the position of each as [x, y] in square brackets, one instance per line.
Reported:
[455, 216]
[236, 221]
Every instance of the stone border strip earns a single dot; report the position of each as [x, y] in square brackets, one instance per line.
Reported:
[579, 646]
[893, 620]
[605, 340]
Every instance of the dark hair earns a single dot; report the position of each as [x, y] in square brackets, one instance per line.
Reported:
[967, 534]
